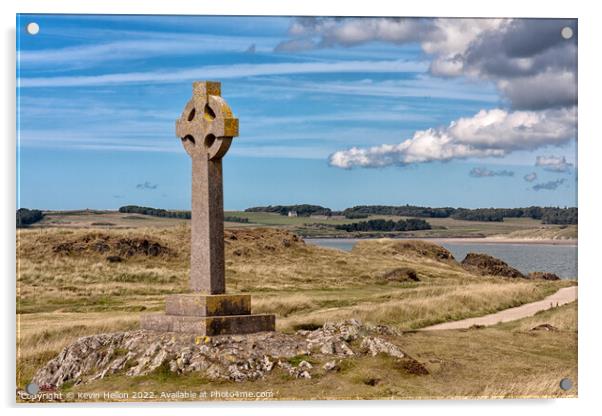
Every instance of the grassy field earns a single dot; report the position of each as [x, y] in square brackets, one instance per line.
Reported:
[66, 289]
[104, 219]
[318, 226]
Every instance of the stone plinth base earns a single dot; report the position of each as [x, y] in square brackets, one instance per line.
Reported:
[208, 315]
[209, 325]
[195, 304]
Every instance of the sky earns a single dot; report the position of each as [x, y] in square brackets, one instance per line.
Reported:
[336, 112]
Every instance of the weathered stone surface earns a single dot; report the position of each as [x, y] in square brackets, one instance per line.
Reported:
[376, 346]
[544, 327]
[209, 325]
[195, 304]
[206, 129]
[485, 264]
[231, 357]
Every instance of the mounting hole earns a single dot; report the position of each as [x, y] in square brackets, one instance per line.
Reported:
[32, 28]
[566, 384]
[32, 389]
[566, 32]
[209, 140]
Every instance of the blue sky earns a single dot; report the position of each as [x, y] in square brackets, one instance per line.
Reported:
[332, 113]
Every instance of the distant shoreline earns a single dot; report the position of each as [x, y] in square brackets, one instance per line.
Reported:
[503, 240]
[468, 240]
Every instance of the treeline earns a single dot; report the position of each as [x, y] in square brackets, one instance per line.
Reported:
[402, 211]
[479, 214]
[302, 210]
[411, 224]
[564, 216]
[547, 215]
[156, 212]
[27, 217]
[229, 218]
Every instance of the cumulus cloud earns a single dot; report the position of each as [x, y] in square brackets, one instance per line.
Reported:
[553, 163]
[530, 177]
[354, 31]
[487, 173]
[550, 186]
[147, 186]
[533, 66]
[489, 133]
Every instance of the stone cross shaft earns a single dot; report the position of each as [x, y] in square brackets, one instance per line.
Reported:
[206, 129]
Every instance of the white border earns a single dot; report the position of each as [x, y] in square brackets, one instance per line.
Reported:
[590, 149]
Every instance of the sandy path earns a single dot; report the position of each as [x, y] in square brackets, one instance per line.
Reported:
[563, 296]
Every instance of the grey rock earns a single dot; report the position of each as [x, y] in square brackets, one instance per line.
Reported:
[236, 358]
[330, 366]
[374, 346]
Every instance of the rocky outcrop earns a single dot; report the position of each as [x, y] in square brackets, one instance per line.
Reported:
[485, 264]
[234, 357]
[543, 276]
[401, 274]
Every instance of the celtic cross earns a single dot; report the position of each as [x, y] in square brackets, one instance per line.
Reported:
[206, 129]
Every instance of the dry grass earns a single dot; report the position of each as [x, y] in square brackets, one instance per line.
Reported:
[543, 233]
[503, 361]
[67, 293]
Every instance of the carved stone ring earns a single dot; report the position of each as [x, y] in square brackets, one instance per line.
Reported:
[207, 125]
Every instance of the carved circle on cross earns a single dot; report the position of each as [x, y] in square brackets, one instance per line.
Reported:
[207, 124]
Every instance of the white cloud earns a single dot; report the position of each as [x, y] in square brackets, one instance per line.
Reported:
[530, 177]
[353, 31]
[224, 72]
[489, 133]
[553, 163]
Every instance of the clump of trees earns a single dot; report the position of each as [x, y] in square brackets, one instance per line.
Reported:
[229, 218]
[355, 215]
[27, 217]
[564, 216]
[402, 211]
[303, 210]
[480, 214]
[411, 224]
[157, 212]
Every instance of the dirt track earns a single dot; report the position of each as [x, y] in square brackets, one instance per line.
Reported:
[563, 296]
